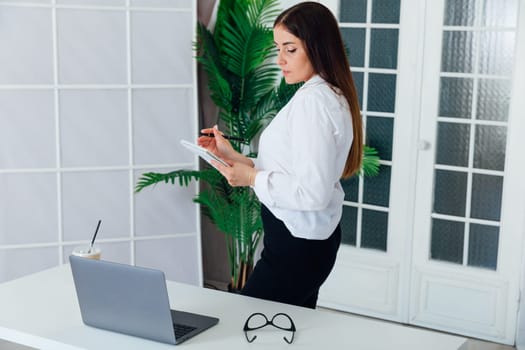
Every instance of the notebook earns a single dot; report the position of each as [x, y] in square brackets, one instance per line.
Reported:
[203, 153]
[132, 300]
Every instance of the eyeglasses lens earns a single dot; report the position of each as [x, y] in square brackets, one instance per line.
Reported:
[257, 321]
[282, 321]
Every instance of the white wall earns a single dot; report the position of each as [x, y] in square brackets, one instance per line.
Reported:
[92, 94]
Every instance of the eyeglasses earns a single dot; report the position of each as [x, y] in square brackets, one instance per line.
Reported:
[258, 320]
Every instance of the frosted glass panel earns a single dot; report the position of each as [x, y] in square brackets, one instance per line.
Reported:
[25, 31]
[352, 11]
[379, 134]
[177, 257]
[377, 188]
[458, 52]
[483, 246]
[385, 11]
[158, 56]
[500, 13]
[450, 189]
[94, 127]
[486, 197]
[493, 99]
[453, 144]
[348, 225]
[358, 81]
[161, 120]
[354, 40]
[383, 48]
[94, 40]
[381, 92]
[90, 196]
[374, 229]
[489, 151]
[447, 240]
[455, 97]
[351, 188]
[165, 208]
[28, 208]
[27, 130]
[497, 53]
[460, 12]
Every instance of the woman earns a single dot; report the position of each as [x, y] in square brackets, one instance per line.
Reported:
[312, 142]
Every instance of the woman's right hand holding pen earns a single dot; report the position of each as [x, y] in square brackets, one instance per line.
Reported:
[221, 147]
[217, 144]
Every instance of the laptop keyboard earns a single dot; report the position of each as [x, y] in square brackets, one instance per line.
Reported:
[182, 329]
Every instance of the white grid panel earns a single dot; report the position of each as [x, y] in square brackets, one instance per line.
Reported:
[72, 128]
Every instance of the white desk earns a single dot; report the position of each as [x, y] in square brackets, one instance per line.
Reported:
[41, 311]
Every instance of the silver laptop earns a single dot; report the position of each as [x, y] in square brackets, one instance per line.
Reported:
[132, 300]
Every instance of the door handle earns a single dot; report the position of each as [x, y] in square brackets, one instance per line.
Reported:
[424, 145]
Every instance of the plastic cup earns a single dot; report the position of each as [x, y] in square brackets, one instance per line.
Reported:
[86, 251]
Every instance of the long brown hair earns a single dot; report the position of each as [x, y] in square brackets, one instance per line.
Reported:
[317, 27]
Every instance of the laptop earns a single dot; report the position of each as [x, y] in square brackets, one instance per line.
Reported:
[131, 300]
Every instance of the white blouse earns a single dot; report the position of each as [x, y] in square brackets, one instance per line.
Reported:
[302, 154]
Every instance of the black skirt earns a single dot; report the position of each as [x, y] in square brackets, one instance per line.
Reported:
[291, 270]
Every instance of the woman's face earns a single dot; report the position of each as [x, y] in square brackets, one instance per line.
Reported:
[291, 56]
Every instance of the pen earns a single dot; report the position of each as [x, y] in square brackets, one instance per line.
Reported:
[227, 137]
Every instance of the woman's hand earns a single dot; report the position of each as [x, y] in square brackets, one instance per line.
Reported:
[217, 145]
[237, 174]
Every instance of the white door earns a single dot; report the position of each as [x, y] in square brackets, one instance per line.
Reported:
[437, 239]
[372, 270]
[467, 235]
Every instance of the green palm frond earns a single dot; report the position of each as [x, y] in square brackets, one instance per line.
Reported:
[246, 41]
[208, 56]
[265, 106]
[246, 51]
[263, 12]
[183, 177]
[214, 206]
[257, 84]
[224, 15]
[370, 165]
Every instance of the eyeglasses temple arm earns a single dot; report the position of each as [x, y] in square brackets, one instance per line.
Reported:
[248, 339]
[291, 340]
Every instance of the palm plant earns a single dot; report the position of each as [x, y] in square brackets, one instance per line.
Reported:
[236, 57]
[242, 80]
